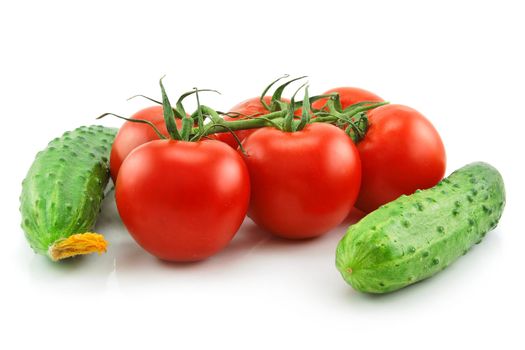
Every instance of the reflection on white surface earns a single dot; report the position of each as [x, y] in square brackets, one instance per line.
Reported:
[252, 254]
[254, 259]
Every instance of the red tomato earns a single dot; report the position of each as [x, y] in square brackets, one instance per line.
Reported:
[132, 134]
[401, 152]
[303, 183]
[248, 107]
[183, 201]
[349, 96]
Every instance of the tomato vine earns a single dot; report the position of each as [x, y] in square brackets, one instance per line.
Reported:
[206, 121]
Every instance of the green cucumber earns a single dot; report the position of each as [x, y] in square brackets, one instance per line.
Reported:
[63, 191]
[416, 236]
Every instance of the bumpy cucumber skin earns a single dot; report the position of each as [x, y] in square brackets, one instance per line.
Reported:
[416, 236]
[63, 190]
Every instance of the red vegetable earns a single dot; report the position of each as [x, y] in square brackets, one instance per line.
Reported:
[183, 201]
[131, 135]
[303, 183]
[401, 152]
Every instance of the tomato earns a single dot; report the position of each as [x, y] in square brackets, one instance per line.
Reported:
[304, 183]
[401, 152]
[349, 96]
[252, 106]
[133, 134]
[183, 201]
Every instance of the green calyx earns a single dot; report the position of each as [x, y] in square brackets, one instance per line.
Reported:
[169, 115]
[291, 124]
[205, 121]
[186, 131]
[353, 119]
[276, 103]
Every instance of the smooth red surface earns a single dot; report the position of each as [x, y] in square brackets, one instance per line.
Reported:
[401, 152]
[183, 201]
[349, 96]
[303, 183]
[132, 134]
[249, 107]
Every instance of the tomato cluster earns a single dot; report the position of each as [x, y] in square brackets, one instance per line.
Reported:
[184, 200]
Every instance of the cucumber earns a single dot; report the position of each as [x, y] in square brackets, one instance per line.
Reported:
[63, 191]
[416, 236]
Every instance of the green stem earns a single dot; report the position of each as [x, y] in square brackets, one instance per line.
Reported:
[268, 120]
[363, 107]
[169, 114]
[353, 116]
[157, 131]
[261, 98]
[243, 124]
[327, 119]
[214, 116]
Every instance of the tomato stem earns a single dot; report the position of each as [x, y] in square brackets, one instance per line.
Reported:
[169, 114]
[265, 91]
[243, 124]
[307, 111]
[157, 131]
[290, 123]
[200, 117]
[282, 114]
[146, 97]
[279, 119]
[276, 97]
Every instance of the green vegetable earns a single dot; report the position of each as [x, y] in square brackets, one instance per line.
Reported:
[62, 193]
[416, 236]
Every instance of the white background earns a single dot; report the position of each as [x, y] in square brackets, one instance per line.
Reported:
[64, 63]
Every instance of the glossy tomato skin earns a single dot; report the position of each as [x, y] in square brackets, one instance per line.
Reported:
[349, 96]
[132, 134]
[183, 201]
[251, 106]
[303, 183]
[401, 153]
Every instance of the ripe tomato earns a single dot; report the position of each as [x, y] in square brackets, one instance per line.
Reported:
[349, 96]
[183, 201]
[303, 183]
[248, 107]
[401, 152]
[132, 134]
